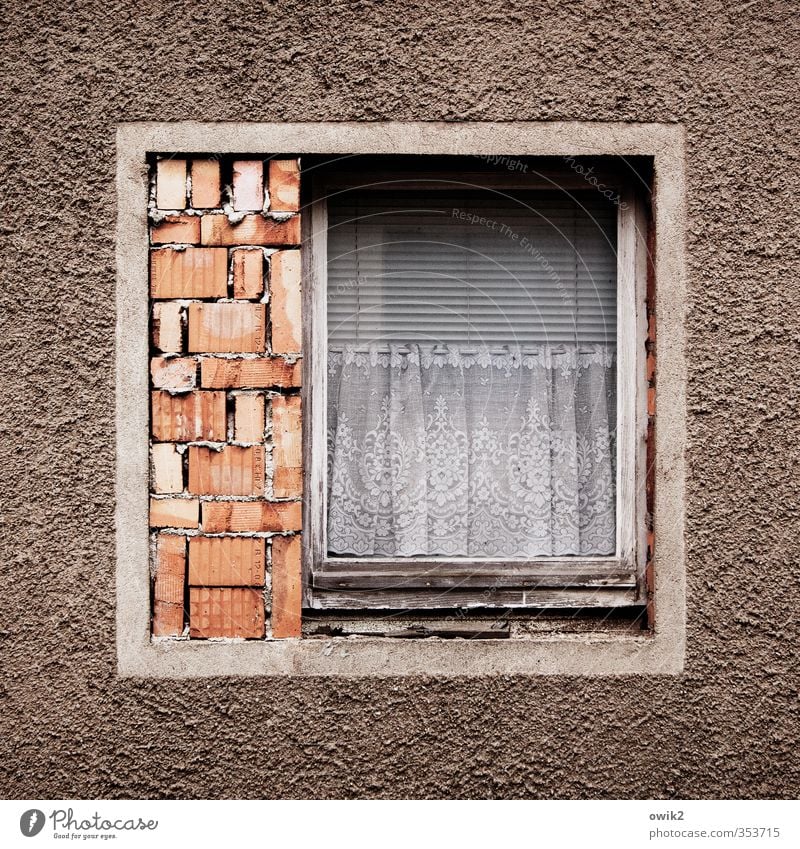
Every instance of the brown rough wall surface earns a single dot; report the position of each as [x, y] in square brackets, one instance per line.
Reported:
[728, 727]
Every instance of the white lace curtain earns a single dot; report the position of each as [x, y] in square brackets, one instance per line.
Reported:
[501, 452]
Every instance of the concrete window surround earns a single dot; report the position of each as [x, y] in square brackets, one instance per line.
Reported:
[658, 652]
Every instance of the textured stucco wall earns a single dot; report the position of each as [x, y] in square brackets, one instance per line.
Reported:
[70, 727]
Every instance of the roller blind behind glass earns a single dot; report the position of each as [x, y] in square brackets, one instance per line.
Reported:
[471, 268]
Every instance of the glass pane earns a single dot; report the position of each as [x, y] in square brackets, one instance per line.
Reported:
[471, 393]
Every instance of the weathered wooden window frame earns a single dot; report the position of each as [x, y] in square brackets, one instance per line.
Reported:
[441, 582]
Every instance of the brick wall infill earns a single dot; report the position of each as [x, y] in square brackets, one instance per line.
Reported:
[226, 475]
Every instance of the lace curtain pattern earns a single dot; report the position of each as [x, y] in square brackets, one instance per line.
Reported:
[486, 452]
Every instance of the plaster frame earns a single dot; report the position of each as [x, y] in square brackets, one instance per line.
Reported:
[658, 652]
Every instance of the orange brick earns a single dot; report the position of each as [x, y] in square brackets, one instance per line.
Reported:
[169, 583]
[284, 185]
[206, 184]
[167, 466]
[228, 612]
[227, 328]
[248, 516]
[287, 587]
[248, 184]
[176, 229]
[651, 327]
[263, 373]
[231, 471]
[190, 273]
[287, 453]
[167, 328]
[284, 292]
[649, 581]
[651, 402]
[171, 183]
[248, 274]
[251, 230]
[174, 513]
[651, 366]
[226, 562]
[178, 374]
[184, 418]
[248, 418]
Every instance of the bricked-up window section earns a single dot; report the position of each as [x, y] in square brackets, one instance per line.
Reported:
[226, 470]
